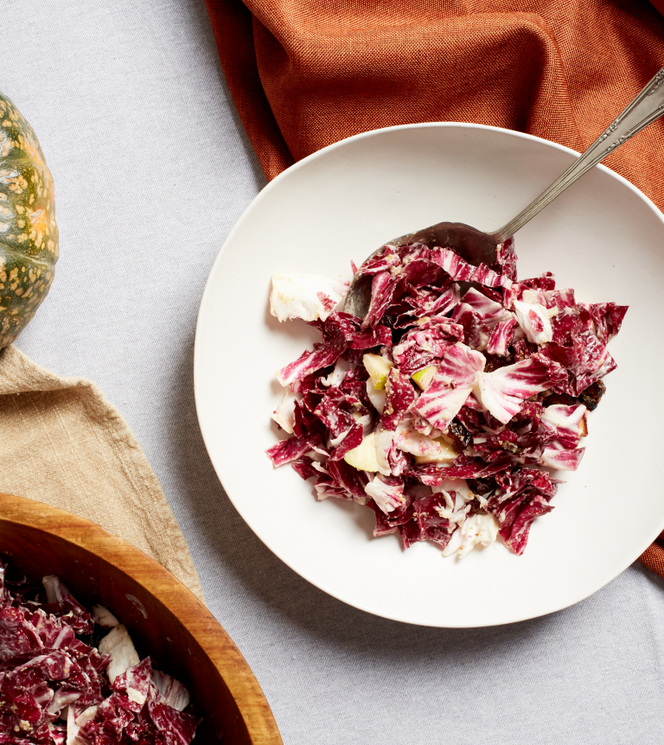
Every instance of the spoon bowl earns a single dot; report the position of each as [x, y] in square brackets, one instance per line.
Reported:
[471, 244]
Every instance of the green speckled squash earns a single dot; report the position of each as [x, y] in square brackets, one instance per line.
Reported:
[28, 233]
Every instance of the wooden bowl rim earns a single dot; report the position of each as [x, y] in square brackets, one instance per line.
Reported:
[234, 669]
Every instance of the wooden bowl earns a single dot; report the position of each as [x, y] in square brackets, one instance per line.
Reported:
[164, 619]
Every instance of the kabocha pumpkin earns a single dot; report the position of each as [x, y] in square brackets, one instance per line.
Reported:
[28, 233]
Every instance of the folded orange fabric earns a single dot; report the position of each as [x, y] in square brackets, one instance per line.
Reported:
[306, 73]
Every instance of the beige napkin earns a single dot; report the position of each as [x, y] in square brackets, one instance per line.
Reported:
[63, 444]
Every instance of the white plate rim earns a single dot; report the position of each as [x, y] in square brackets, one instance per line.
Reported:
[246, 215]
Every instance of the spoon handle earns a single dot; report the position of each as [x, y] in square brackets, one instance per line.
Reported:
[642, 111]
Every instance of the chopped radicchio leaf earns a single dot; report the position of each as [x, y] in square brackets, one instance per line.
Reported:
[447, 407]
[56, 689]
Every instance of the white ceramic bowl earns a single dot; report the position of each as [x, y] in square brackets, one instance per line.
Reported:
[602, 237]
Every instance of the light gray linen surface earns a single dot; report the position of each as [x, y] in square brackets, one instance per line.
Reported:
[152, 169]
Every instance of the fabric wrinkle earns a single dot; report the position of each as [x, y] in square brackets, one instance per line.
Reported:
[68, 447]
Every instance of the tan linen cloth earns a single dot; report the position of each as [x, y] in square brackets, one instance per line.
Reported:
[64, 444]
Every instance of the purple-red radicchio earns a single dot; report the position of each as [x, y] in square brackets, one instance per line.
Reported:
[57, 687]
[450, 406]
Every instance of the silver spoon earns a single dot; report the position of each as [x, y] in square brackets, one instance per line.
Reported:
[477, 247]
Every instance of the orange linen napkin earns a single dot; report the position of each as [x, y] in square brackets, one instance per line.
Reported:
[307, 73]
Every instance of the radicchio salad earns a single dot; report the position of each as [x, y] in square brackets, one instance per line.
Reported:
[72, 676]
[450, 407]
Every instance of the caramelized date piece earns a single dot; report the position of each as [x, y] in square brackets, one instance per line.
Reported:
[458, 436]
[481, 486]
[556, 399]
[493, 362]
[590, 398]
[592, 395]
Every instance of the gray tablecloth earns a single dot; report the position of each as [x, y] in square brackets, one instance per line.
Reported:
[152, 169]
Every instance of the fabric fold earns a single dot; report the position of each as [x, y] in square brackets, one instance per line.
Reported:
[232, 24]
[305, 74]
[65, 445]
